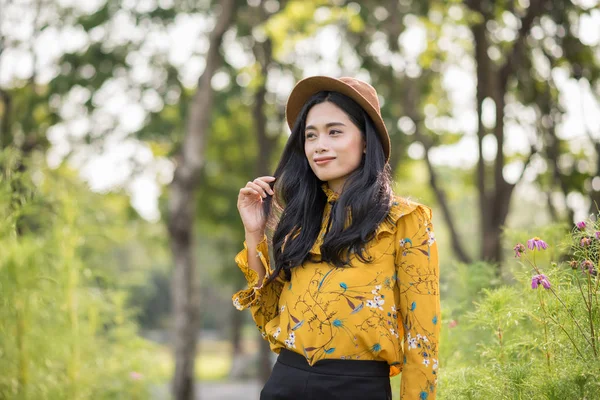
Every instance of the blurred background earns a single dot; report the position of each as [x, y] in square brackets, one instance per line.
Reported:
[127, 128]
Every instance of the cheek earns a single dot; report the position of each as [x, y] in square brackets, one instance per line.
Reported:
[308, 154]
[307, 150]
[355, 151]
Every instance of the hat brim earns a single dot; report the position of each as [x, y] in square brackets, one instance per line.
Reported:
[307, 87]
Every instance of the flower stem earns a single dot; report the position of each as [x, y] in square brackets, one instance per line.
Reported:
[500, 342]
[572, 316]
[581, 291]
[564, 330]
[532, 263]
[545, 322]
[589, 307]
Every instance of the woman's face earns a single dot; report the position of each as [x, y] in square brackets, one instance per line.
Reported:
[333, 145]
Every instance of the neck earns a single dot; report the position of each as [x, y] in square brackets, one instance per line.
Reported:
[336, 186]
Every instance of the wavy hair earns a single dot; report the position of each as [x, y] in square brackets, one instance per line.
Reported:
[299, 200]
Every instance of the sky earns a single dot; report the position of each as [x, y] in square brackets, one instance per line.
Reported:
[111, 166]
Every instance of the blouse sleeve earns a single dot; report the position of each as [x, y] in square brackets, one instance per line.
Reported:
[262, 300]
[419, 303]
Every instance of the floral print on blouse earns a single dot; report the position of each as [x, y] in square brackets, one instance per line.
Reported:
[386, 310]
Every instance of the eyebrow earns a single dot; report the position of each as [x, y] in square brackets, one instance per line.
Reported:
[328, 125]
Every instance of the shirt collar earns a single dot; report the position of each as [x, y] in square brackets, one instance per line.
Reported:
[331, 195]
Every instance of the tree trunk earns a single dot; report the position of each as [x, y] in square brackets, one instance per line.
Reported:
[265, 150]
[266, 147]
[236, 332]
[182, 215]
[411, 97]
[483, 65]
[406, 96]
[594, 193]
[6, 106]
[492, 82]
[238, 358]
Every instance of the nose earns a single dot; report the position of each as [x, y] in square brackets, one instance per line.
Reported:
[321, 144]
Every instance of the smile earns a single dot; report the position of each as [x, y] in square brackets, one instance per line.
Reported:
[324, 161]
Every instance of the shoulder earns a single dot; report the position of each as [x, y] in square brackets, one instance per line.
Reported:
[405, 214]
[402, 207]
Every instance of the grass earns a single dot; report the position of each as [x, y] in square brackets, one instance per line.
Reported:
[212, 367]
[213, 361]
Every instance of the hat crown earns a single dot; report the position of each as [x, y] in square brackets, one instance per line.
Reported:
[361, 92]
[366, 90]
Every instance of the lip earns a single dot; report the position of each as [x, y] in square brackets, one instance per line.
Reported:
[324, 160]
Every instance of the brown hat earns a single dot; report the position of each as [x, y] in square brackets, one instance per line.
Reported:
[359, 91]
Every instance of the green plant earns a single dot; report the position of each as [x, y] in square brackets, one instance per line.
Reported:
[536, 338]
[65, 330]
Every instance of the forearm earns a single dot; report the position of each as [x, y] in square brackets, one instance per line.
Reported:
[254, 262]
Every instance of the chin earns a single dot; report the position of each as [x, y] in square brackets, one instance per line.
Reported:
[328, 177]
[324, 177]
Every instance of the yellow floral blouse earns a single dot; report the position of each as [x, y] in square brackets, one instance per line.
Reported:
[387, 310]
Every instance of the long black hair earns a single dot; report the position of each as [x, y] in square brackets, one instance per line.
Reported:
[300, 201]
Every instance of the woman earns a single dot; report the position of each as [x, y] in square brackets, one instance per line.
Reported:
[348, 295]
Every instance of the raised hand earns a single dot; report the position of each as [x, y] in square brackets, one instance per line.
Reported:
[250, 207]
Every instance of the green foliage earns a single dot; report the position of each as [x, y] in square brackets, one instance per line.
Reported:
[461, 286]
[72, 263]
[297, 21]
[520, 342]
[65, 329]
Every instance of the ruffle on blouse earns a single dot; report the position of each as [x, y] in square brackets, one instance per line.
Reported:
[247, 297]
[399, 208]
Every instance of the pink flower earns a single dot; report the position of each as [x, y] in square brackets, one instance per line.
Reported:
[585, 242]
[519, 249]
[538, 243]
[136, 376]
[573, 264]
[540, 279]
[452, 324]
[588, 266]
[581, 225]
[597, 234]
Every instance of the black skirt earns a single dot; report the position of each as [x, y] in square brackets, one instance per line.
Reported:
[292, 378]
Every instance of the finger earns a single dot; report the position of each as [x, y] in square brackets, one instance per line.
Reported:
[249, 192]
[249, 195]
[266, 178]
[258, 188]
[264, 185]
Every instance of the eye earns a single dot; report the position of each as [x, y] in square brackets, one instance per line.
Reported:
[334, 132]
[309, 135]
